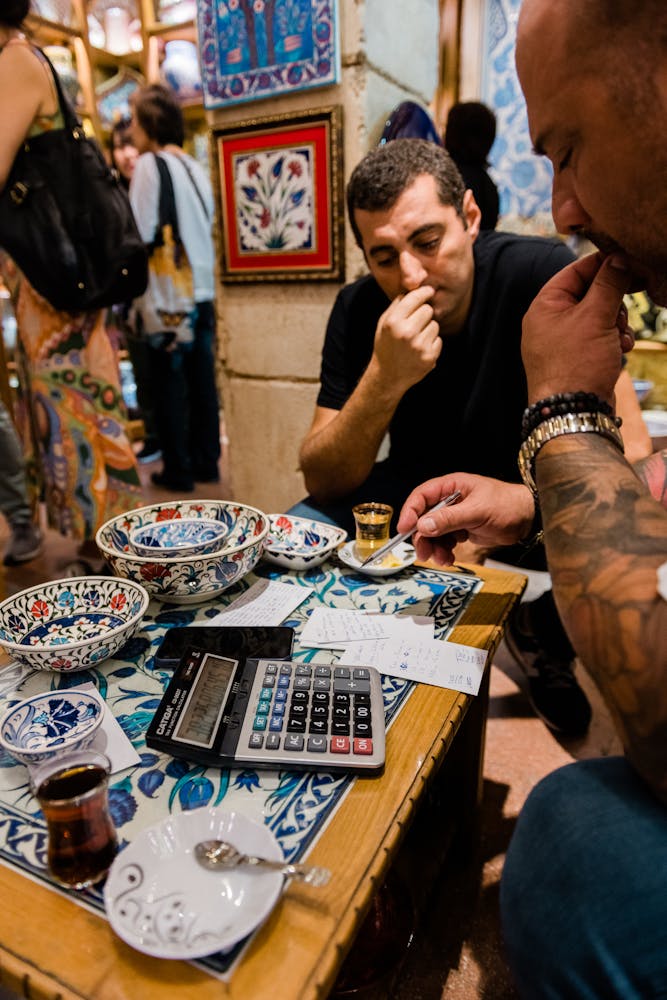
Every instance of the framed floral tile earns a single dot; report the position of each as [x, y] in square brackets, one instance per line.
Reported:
[251, 49]
[280, 197]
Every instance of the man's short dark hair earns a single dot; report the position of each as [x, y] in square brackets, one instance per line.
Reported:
[378, 181]
[14, 12]
[159, 114]
[470, 131]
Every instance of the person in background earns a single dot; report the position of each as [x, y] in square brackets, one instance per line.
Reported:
[583, 899]
[427, 349]
[25, 540]
[186, 403]
[70, 412]
[469, 136]
[124, 154]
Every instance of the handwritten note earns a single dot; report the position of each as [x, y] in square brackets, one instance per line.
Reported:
[333, 628]
[443, 664]
[267, 602]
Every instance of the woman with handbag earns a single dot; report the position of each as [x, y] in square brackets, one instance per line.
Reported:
[70, 414]
[173, 205]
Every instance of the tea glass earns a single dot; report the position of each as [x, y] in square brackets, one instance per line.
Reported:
[72, 792]
[372, 525]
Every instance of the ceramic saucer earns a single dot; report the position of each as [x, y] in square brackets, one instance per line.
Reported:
[162, 902]
[396, 560]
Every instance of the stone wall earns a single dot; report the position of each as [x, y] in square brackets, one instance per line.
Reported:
[270, 334]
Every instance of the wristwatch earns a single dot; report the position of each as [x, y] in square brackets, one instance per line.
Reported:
[553, 427]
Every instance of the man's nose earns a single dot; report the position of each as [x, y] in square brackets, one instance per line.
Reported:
[568, 213]
[413, 274]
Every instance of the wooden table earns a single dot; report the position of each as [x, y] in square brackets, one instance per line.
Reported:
[51, 948]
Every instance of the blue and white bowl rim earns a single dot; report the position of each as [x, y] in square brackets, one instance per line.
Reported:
[68, 694]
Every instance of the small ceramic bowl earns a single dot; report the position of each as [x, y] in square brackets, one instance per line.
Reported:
[642, 387]
[298, 543]
[186, 579]
[50, 724]
[398, 559]
[187, 536]
[71, 624]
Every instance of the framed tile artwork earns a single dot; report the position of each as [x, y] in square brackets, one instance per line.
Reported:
[279, 187]
[251, 49]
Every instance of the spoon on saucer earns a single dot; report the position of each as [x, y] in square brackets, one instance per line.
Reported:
[220, 854]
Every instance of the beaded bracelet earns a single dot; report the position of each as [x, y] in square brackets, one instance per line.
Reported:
[561, 404]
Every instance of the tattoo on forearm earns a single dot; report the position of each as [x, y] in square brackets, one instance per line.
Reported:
[605, 539]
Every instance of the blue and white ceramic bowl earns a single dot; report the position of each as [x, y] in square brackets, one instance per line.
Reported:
[71, 624]
[50, 724]
[298, 543]
[187, 536]
[186, 579]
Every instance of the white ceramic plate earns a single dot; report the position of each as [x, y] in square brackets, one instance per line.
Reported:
[396, 560]
[162, 902]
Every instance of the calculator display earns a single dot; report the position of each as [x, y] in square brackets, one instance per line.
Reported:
[198, 722]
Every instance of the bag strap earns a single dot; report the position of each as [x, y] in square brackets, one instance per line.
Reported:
[167, 214]
[182, 160]
[70, 117]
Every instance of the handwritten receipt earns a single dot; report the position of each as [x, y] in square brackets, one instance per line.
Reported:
[444, 664]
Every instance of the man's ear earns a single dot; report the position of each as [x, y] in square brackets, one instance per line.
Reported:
[472, 214]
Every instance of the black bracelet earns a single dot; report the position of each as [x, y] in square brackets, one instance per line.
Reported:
[562, 403]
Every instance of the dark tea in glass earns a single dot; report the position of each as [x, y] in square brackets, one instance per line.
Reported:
[72, 791]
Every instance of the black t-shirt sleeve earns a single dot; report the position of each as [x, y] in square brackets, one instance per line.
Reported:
[334, 382]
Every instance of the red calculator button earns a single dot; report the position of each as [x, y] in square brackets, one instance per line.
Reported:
[363, 746]
[340, 744]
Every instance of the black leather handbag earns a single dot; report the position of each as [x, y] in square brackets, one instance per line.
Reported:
[67, 222]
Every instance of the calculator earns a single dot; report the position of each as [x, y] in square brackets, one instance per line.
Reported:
[266, 712]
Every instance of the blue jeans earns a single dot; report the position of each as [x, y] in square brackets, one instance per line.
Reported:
[584, 889]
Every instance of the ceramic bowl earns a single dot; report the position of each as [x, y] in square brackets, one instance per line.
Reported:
[187, 536]
[642, 387]
[160, 900]
[398, 559]
[50, 724]
[71, 624]
[186, 579]
[299, 543]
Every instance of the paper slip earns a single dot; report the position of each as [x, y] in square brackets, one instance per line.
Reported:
[334, 628]
[444, 664]
[267, 602]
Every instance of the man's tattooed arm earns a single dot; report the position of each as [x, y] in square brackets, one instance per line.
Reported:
[605, 539]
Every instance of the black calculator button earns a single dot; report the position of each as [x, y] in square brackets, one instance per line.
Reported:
[273, 742]
[362, 729]
[323, 671]
[362, 712]
[256, 741]
[304, 670]
[352, 687]
[276, 723]
[317, 726]
[361, 674]
[319, 711]
[342, 672]
[362, 746]
[285, 670]
[300, 696]
[340, 698]
[362, 699]
[317, 744]
[341, 712]
[340, 744]
[340, 728]
[271, 668]
[320, 698]
[296, 726]
[321, 684]
[293, 742]
[301, 683]
[298, 710]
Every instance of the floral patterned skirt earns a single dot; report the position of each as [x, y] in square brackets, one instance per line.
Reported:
[71, 414]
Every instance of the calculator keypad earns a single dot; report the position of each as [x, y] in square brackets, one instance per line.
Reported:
[322, 712]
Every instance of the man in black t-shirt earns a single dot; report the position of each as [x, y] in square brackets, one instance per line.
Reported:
[427, 350]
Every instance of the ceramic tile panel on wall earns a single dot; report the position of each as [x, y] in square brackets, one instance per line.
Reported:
[524, 180]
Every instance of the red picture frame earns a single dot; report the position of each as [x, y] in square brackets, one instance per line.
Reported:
[279, 188]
